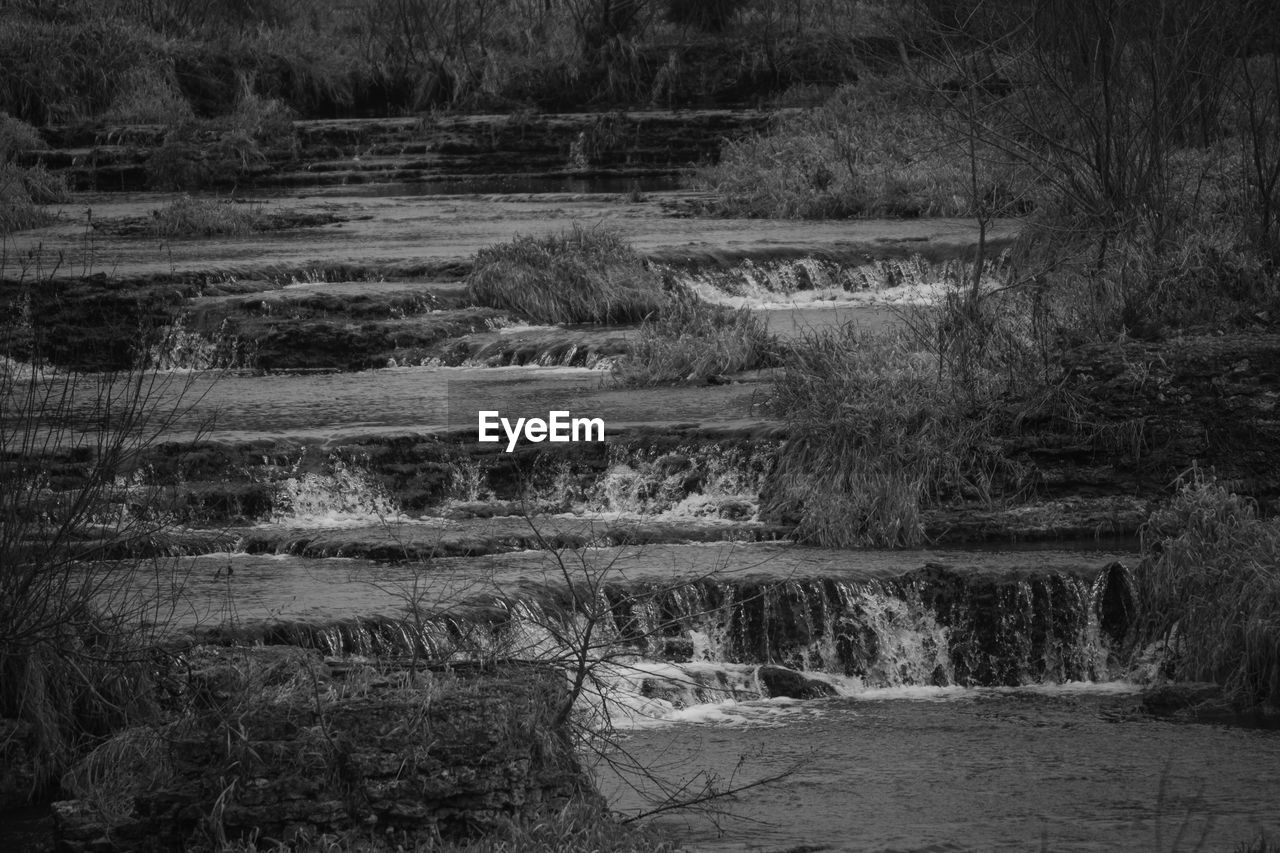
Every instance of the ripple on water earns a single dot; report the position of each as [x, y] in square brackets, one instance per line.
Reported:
[965, 769]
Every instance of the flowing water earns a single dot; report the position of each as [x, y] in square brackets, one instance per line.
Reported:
[912, 747]
[1054, 768]
[953, 699]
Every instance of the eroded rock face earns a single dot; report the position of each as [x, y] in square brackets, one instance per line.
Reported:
[309, 755]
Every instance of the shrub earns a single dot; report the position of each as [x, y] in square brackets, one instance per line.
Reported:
[204, 217]
[16, 136]
[878, 430]
[222, 151]
[1208, 585]
[692, 341]
[77, 633]
[581, 276]
[876, 148]
[23, 190]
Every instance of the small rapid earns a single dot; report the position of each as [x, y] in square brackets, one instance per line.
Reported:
[735, 631]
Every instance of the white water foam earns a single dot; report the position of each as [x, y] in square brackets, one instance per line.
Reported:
[344, 496]
[812, 283]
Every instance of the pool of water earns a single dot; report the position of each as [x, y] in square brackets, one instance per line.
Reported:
[1069, 768]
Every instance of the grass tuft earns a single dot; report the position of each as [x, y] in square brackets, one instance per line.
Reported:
[882, 427]
[1209, 587]
[581, 276]
[693, 341]
[24, 189]
[205, 217]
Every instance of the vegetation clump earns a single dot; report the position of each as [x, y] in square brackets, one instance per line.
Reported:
[85, 60]
[203, 152]
[23, 189]
[205, 217]
[1208, 587]
[879, 429]
[878, 147]
[581, 276]
[695, 341]
[80, 610]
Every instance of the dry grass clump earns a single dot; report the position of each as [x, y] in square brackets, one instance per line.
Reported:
[875, 148]
[880, 428]
[580, 276]
[22, 192]
[73, 684]
[1209, 587]
[118, 770]
[692, 341]
[205, 217]
[24, 189]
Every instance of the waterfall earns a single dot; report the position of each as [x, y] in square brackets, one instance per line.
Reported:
[711, 639]
[344, 496]
[708, 481]
[912, 279]
[179, 348]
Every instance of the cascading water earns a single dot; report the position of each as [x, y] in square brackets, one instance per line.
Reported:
[656, 648]
[342, 497]
[181, 349]
[704, 482]
[902, 280]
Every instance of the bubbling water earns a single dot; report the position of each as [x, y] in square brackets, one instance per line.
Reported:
[344, 496]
